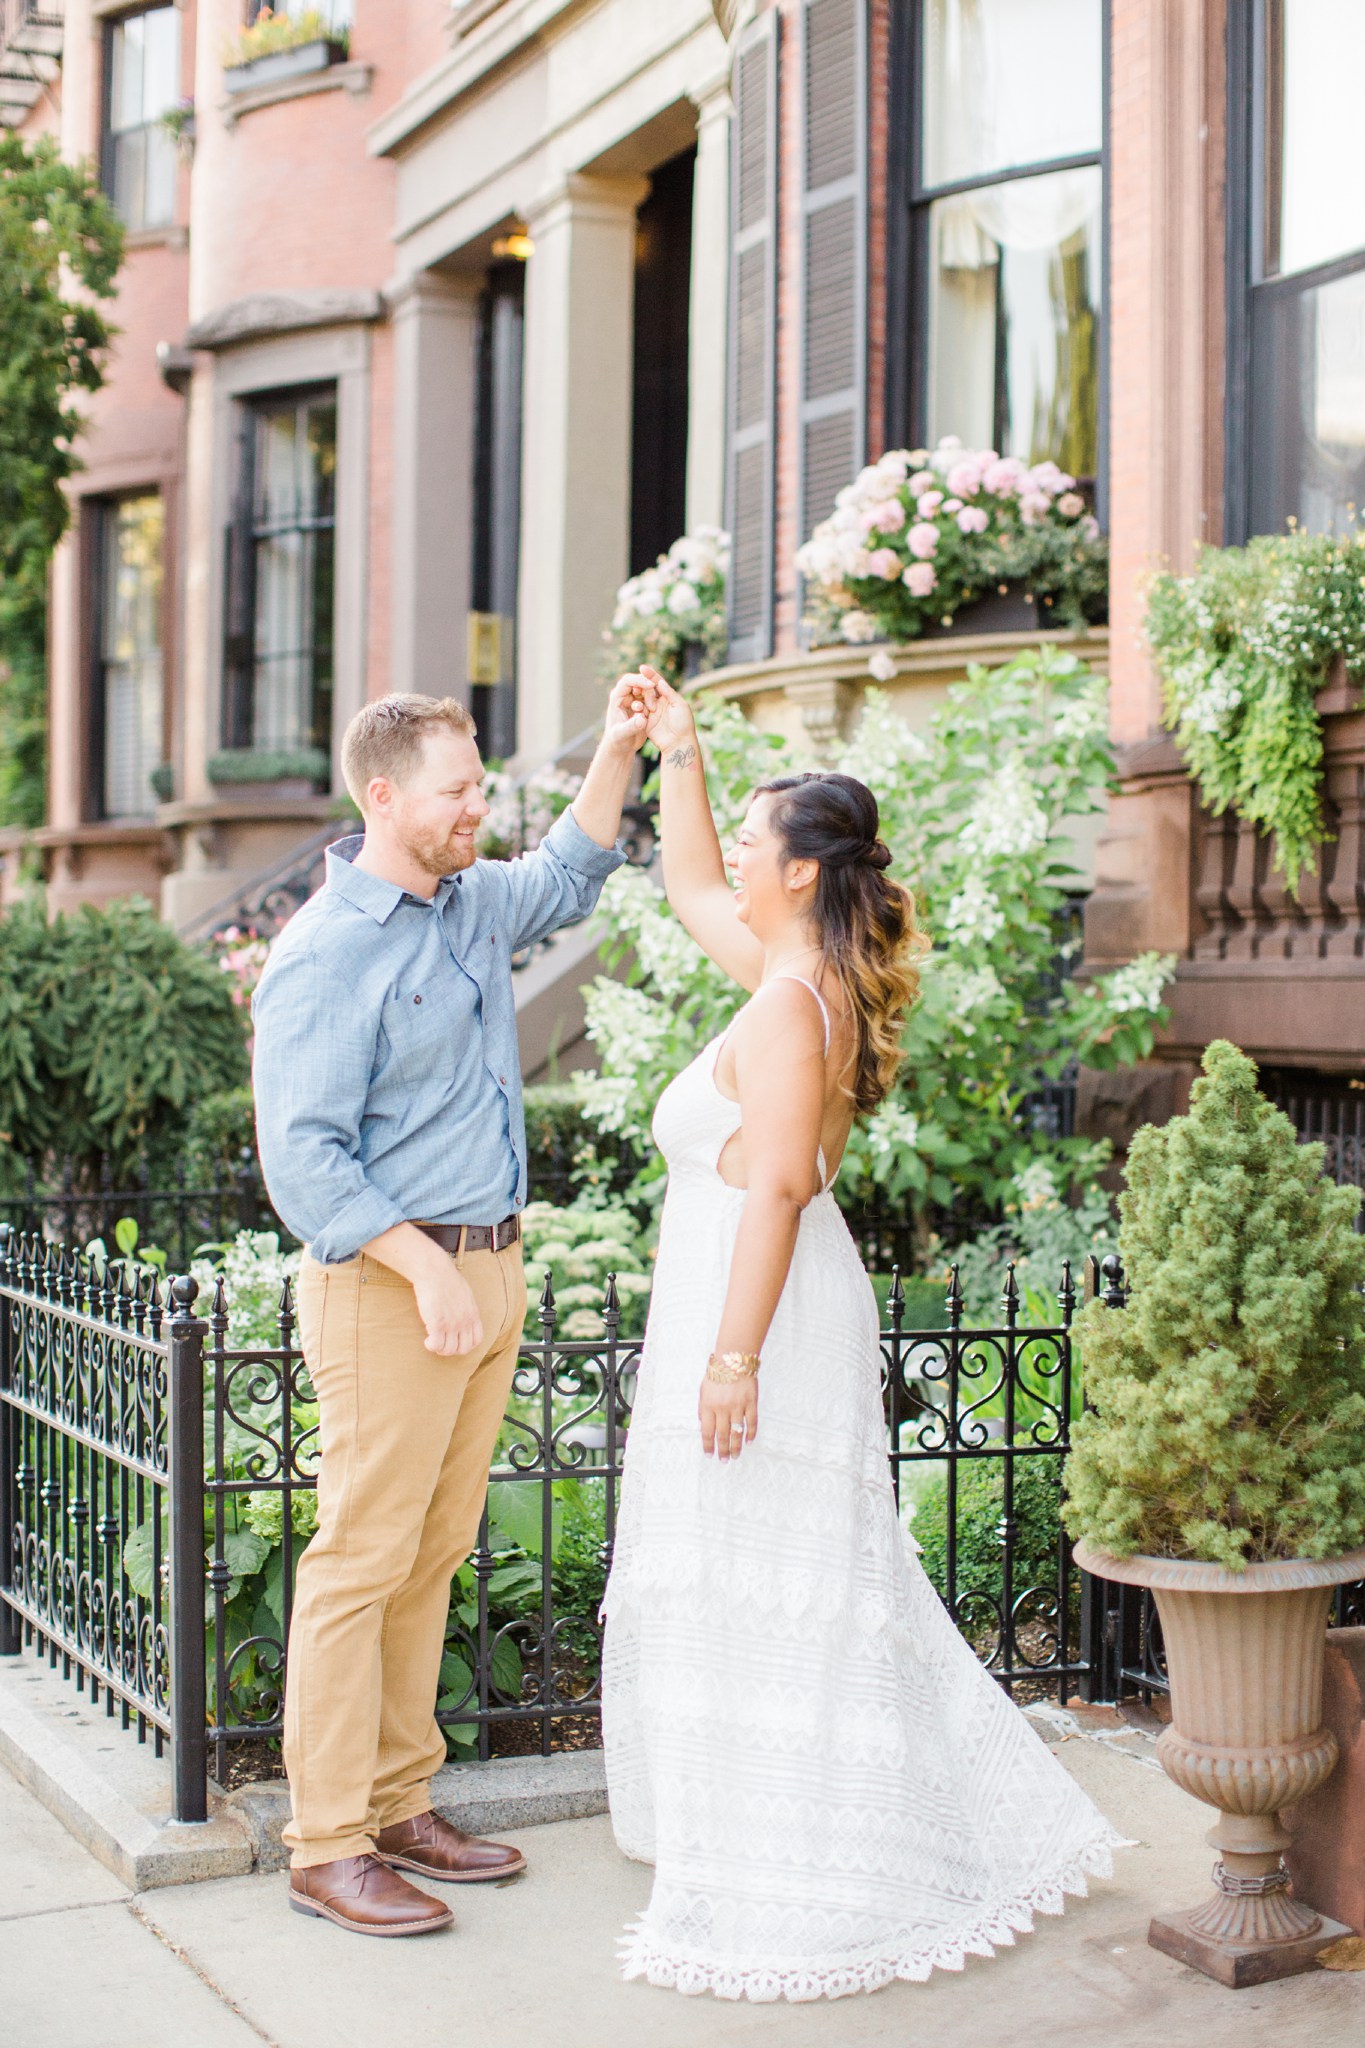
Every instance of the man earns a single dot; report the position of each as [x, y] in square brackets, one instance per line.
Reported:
[388, 1102]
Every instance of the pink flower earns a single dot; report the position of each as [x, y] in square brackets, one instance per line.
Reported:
[922, 480]
[860, 563]
[952, 504]
[973, 519]
[930, 503]
[1091, 528]
[1002, 478]
[919, 579]
[1071, 504]
[885, 562]
[964, 479]
[923, 540]
[888, 516]
[1033, 504]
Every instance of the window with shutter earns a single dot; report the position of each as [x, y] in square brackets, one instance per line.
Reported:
[753, 320]
[833, 331]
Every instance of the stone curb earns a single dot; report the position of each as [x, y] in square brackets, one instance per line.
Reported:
[107, 1789]
[485, 1799]
[114, 1795]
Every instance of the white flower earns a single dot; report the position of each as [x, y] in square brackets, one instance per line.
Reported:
[1035, 1185]
[882, 665]
[682, 598]
[891, 1129]
[974, 914]
[1008, 821]
[1140, 984]
[648, 602]
[858, 627]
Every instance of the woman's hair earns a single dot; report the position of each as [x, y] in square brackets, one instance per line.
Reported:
[865, 920]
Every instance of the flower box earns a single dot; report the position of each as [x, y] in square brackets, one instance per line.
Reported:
[253, 773]
[280, 65]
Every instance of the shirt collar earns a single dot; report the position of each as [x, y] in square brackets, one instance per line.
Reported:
[370, 893]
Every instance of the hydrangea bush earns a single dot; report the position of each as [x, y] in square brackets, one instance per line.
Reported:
[923, 532]
[976, 811]
[681, 600]
[1243, 646]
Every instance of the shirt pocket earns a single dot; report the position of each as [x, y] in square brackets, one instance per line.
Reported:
[424, 1025]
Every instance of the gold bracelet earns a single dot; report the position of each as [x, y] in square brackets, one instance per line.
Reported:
[724, 1368]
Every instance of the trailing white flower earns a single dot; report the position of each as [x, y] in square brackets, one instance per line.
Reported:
[1036, 1184]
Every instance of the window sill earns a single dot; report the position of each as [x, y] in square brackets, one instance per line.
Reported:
[356, 79]
[172, 237]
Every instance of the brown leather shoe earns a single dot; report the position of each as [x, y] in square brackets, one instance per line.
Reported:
[431, 1846]
[363, 1895]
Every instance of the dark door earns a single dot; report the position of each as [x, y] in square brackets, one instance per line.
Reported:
[663, 271]
[497, 505]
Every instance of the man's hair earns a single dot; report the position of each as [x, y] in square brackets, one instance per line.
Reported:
[388, 736]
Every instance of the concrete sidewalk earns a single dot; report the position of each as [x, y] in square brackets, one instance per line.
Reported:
[84, 1960]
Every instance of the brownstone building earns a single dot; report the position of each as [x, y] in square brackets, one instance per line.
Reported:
[470, 313]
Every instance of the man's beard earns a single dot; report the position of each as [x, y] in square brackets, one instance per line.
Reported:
[436, 853]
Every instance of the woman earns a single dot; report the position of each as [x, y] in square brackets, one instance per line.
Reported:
[832, 1789]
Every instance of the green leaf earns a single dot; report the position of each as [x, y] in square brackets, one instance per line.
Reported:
[515, 1515]
[506, 1668]
[138, 1558]
[244, 1552]
[512, 1584]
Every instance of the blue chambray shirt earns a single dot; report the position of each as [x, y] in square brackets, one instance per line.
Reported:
[387, 1078]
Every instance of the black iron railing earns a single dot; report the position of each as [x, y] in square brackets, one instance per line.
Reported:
[157, 1488]
[170, 1211]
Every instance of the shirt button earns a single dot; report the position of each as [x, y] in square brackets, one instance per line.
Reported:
[502, 1080]
[417, 999]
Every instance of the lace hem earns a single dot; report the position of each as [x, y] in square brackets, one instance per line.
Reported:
[996, 1928]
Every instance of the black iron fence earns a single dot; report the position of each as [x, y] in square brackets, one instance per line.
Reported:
[157, 1486]
[170, 1210]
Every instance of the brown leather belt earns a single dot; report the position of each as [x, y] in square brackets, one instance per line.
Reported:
[473, 1237]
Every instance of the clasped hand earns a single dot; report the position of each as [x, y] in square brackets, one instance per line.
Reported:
[643, 706]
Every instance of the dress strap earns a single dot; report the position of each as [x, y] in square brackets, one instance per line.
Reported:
[824, 1006]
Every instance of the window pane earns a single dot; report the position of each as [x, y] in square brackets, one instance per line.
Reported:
[130, 643]
[1308, 400]
[1315, 195]
[1009, 82]
[125, 87]
[161, 77]
[294, 508]
[1014, 300]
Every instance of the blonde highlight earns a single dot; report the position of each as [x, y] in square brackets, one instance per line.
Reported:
[866, 923]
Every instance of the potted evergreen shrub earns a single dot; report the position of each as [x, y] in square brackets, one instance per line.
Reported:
[1222, 1465]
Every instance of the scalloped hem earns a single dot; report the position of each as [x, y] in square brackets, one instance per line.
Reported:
[692, 1976]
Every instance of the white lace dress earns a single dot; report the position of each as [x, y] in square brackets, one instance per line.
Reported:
[833, 1791]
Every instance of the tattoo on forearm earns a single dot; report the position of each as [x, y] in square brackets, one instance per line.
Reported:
[682, 757]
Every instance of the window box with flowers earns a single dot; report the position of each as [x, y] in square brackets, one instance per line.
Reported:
[257, 771]
[279, 46]
[930, 540]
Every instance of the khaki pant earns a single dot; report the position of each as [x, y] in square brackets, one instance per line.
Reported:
[406, 1438]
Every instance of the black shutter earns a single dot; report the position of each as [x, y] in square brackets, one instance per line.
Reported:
[833, 293]
[753, 339]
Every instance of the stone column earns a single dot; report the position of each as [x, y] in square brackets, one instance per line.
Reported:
[575, 495]
[435, 338]
[707, 341]
[1166, 166]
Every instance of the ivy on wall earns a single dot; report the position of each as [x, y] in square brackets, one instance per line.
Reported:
[1243, 646]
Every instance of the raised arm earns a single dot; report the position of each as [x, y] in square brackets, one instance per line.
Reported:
[694, 872]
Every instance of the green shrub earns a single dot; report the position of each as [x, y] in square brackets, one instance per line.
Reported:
[980, 1506]
[1228, 1397]
[220, 1130]
[111, 1029]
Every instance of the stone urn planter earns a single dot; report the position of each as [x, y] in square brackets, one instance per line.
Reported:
[1245, 1657]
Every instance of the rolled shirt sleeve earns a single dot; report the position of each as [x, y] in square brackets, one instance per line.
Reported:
[558, 884]
[314, 1054]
